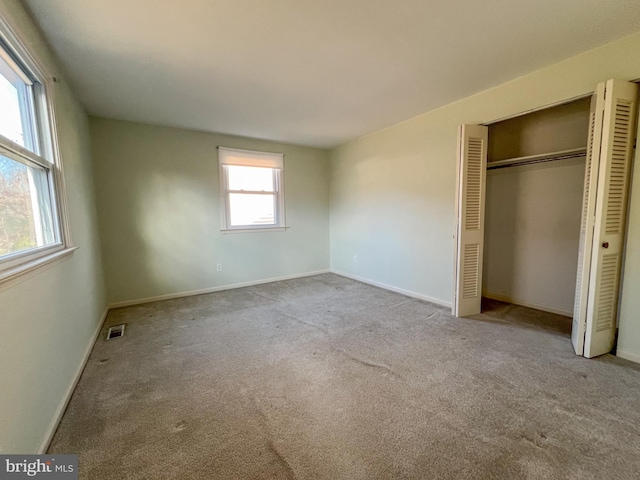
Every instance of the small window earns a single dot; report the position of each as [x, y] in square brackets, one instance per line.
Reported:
[251, 189]
[30, 226]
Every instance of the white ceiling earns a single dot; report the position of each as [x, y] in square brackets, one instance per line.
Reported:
[309, 72]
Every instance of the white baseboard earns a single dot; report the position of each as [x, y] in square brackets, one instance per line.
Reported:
[391, 288]
[628, 356]
[55, 421]
[169, 296]
[523, 303]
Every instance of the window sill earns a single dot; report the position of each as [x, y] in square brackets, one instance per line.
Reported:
[254, 230]
[19, 273]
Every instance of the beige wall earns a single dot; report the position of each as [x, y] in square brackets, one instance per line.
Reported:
[159, 206]
[49, 320]
[392, 192]
[629, 333]
[563, 127]
[532, 234]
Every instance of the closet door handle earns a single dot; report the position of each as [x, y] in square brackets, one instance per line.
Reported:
[605, 244]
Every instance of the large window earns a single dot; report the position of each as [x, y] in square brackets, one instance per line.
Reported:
[30, 225]
[251, 189]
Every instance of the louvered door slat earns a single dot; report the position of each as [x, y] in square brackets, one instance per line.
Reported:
[470, 271]
[605, 316]
[618, 129]
[587, 221]
[474, 187]
[617, 186]
[469, 236]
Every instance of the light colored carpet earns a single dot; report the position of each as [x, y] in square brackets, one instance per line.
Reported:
[327, 378]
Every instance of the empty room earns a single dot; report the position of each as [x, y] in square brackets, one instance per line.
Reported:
[319, 240]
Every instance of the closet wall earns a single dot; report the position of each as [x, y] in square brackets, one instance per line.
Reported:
[532, 222]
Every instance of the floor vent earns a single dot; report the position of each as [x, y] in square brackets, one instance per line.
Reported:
[115, 331]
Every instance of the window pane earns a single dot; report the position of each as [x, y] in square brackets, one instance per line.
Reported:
[254, 179]
[10, 122]
[251, 209]
[25, 207]
[16, 107]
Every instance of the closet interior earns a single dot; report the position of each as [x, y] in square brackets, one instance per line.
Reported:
[534, 192]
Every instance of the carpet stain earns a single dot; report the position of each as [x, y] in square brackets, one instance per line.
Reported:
[281, 460]
[391, 305]
[178, 427]
[264, 426]
[368, 363]
[314, 325]
[537, 442]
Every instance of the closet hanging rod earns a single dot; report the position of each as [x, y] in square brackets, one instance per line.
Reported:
[541, 158]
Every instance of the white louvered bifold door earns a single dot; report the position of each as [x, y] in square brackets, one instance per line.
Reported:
[616, 149]
[469, 237]
[588, 219]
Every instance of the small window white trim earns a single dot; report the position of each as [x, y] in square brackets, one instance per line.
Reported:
[46, 154]
[15, 68]
[250, 158]
[29, 266]
[228, 157]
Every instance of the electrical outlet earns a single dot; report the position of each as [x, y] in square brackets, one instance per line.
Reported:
[355, 259]
[219, 267]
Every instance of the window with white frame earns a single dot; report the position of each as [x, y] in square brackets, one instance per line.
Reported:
[251, 188]
[30, 225]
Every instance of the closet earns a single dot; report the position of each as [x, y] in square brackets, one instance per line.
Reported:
[534, 192]
[556, 184]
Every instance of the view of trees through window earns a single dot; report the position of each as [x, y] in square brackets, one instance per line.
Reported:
[17, 219]
[17, 227]
[28, 215]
